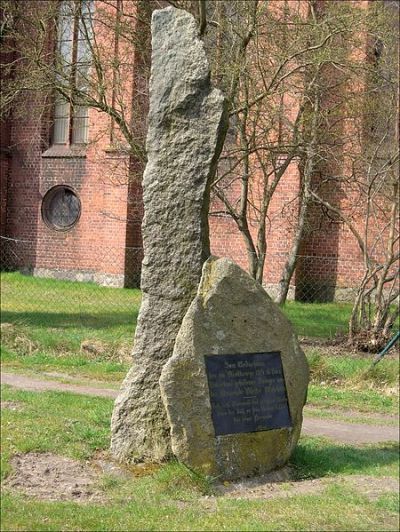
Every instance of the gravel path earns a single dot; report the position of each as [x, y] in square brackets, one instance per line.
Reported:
[335, 430]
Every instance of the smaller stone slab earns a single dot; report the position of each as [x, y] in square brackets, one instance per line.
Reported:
[236, 384]
[247, 393]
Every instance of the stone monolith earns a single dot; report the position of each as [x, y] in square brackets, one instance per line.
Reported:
[257, 376]
[185, 135]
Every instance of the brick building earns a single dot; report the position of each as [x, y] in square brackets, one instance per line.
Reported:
[69, 209]
[70, 191]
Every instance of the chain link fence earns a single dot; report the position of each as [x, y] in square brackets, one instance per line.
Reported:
[97, 287]
[106, 265]
[326, 279]
[70, 298]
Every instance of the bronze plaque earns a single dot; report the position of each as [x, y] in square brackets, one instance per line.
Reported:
[247, 392]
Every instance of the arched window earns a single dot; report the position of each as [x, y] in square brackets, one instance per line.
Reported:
[73, 59]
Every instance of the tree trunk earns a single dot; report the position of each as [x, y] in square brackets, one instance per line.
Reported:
[308, 171]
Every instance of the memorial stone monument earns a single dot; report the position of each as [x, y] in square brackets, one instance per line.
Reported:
[236, 384]
[218, 378]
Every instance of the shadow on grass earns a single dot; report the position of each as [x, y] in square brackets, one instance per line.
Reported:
[69, 320]
[314, 458]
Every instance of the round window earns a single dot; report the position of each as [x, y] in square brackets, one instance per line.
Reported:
[61, 208]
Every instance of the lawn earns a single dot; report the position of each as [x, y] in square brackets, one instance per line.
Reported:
[52, 321]
[60, 314]
[86, 331]
[319, 320]
[79, 311]
[336, 479]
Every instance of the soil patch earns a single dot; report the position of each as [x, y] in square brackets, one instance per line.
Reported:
[54, 478]
[270, 486]
[10, 405]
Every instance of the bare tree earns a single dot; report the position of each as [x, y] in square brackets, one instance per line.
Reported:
[276, 116]
[295, 96]
[74, 58]
[373, 220]
[370, 210]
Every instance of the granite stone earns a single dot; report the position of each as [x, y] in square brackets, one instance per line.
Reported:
[231, 314]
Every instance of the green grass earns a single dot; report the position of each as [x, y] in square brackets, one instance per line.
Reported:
[70, 363]
[318, 320]
[84, 310]
[316, 458]
[65, 423]
[51, 319]
[348, 388]
[346, 415]
[353, 371]
[334, 509]
[60, 314]
[361, 400]
[349, 384]
[174, 498]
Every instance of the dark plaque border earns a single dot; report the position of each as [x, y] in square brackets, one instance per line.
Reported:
[247, 392]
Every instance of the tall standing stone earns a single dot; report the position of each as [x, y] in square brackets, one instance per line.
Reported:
[185, 137]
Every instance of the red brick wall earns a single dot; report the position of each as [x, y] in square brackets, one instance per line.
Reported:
[108, 230]
[227, 241]
[23, 197]
[105, 245]
[4, 150]
[4, 173]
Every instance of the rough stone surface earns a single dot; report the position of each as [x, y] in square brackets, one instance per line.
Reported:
[185, 136]
[230, 314]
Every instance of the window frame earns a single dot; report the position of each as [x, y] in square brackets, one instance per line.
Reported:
[70, 134]
[45, 208]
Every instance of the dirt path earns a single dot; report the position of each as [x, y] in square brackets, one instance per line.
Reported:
[349, 432]
[39, 385]
[336, 430]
